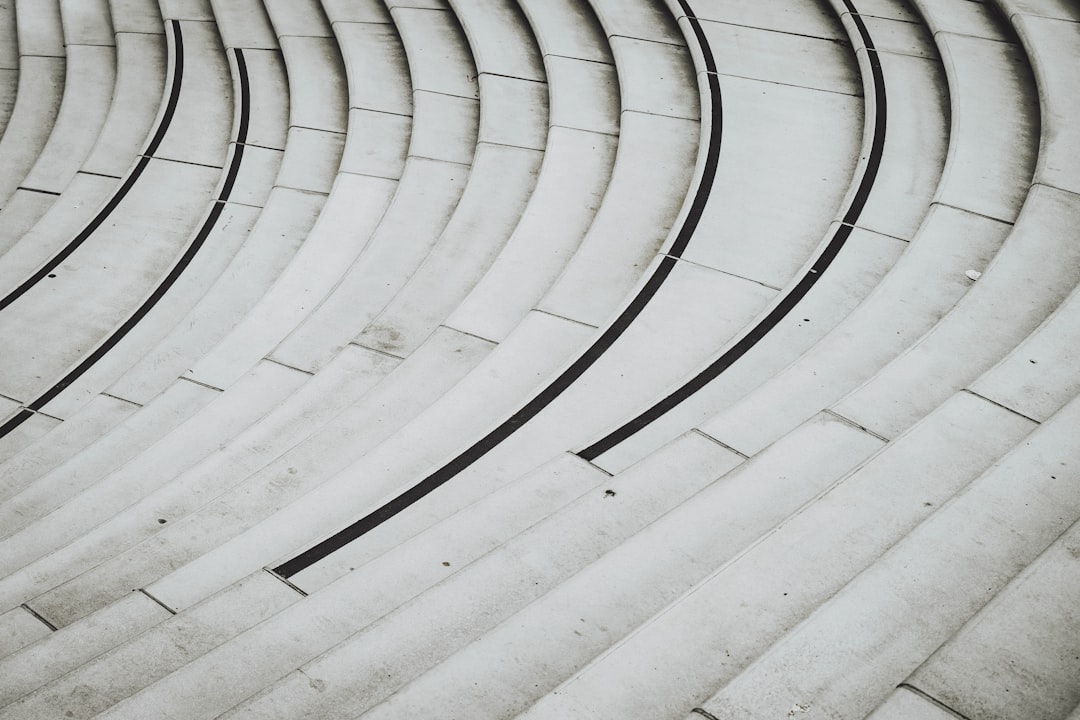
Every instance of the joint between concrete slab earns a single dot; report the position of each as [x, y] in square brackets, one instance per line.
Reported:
[1000, 405]
[193, 381]
[852, 423]
[710, 438]
[286, 581]
[972, 212]
[121, 399]
[377, 350]
[567, 319]
[470, 334]
[931, 699]
[147, 594]
[39, 616]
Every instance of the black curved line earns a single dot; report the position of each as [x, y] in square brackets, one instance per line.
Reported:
[568, 376]
[759, 331]
[129, 181]
[166, 284]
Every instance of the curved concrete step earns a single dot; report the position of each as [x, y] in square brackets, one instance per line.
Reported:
[437, 168]
[91, 69]
[914, 596]
[9, 64]
[113, 485]
[892, 322]
[885, 201]
[1049, 34]
[139, 88]
[41, 64]
[247, 242]
[201, 273]
[1018, 656]
[60, 331]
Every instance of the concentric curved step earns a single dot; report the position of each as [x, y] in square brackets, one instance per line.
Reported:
[90, 52]
[788, 509]
[41, 63]
[59, 331]
[140, 81]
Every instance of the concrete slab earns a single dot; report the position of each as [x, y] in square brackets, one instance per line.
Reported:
[1060, 9]
[440, 59]
[376, 144]
[513, 112]
[993, 106]
[896, 37]
[1038, 376]
[363, 11]
[311, 160]
[809, 62]
[18, 629]
[376, 66]
[41, 31]
[244, 24]
[813, 19]
[656, 78]
[86, 23]
[93, 470]
[523, 573]
[9, 43]
[1054, 48]
[584, 94]
[500, 38]
[35, 427]
[123, 443]
[318, 92]
[564, 28]
[37, 102]
[200, 127]
[199, 10]
[140, 85]
[136, 16]
[916, 144]
[62, 221]
[21, 213]
[513, 369]
[962, 18]
[648, 20]
[778, 142]
[298, 17]
[268, 119]
[445, 127]
[322, 622]
[9, 85]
